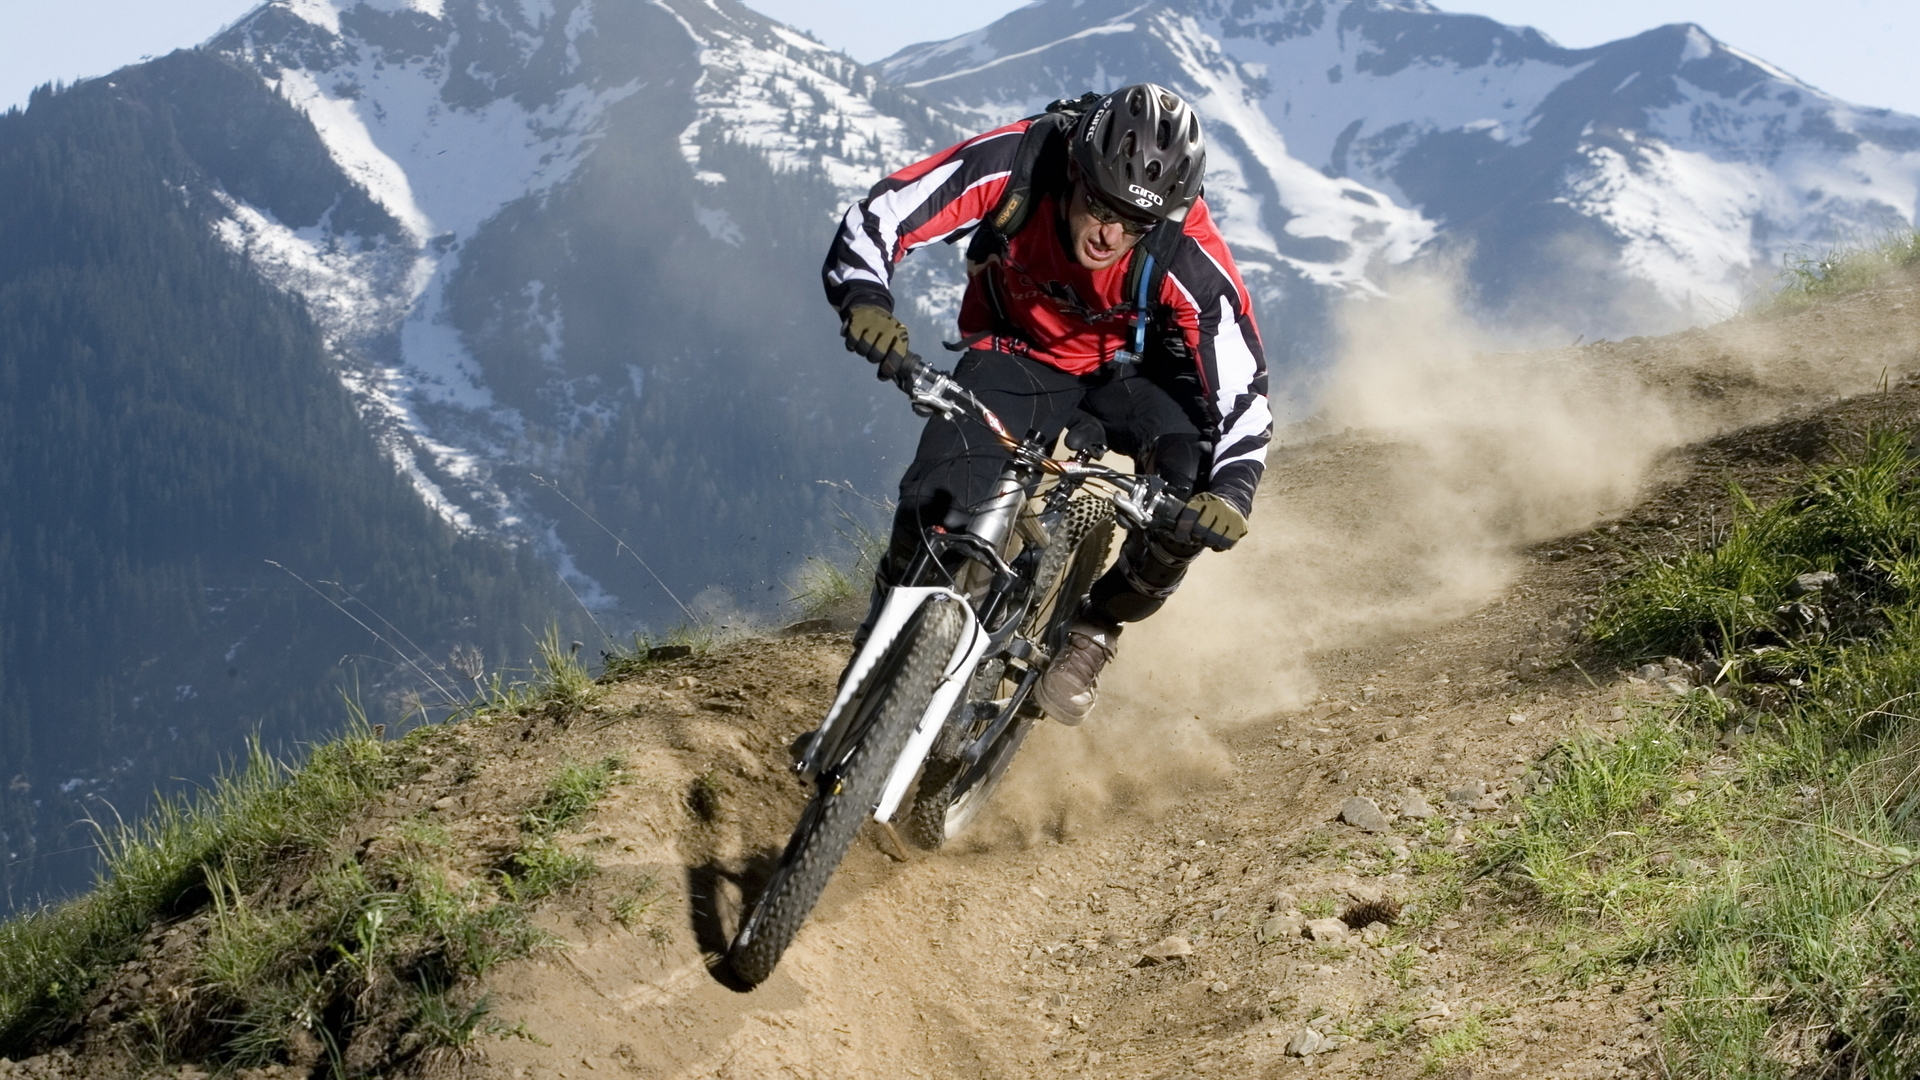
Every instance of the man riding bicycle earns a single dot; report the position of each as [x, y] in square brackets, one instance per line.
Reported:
[1101, 301]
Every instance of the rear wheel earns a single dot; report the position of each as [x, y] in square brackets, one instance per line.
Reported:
[904, 685]
[951, 794]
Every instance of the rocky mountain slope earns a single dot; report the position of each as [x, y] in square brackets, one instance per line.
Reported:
[595, 277]
[188, 490]
[1401, 628]
[1639, 185]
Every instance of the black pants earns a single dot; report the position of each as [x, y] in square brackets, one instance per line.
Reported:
[1152, 420]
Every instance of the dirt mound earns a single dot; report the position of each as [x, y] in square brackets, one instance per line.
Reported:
[1304, 735]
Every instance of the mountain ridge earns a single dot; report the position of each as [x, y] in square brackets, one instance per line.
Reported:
[1675, 164]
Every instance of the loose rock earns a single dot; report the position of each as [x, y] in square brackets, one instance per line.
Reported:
[1414, 806]
[1305, 1043]
[1282, 928]
[1328, 931]
[1814, 582]
[1468, 793]
[1168, 948]
[1363, 813]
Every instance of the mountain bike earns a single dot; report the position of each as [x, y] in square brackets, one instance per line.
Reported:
[941, 690]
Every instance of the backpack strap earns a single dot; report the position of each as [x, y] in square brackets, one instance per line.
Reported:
[1042, 154]
[1146, 272]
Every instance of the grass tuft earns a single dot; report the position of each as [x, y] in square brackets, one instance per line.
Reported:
[301, 941]
[248, 824]
[1858, 520]
[574, 791]
[1776, 876]
[1464, 1039]
[1806, 277]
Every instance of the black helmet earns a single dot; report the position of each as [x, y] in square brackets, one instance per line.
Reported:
[1140, 146]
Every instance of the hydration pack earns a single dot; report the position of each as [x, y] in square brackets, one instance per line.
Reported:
[1040, 166]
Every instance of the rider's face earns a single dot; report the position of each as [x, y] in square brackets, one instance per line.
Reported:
[1096, 244]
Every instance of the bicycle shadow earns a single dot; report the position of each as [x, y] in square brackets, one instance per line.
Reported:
[717, 899]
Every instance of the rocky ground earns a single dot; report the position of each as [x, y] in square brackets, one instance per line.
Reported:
[1261, 856]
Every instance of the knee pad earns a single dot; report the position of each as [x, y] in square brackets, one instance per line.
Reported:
[1149, 570]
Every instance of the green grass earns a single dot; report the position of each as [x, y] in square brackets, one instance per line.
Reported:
[644, 652]
[311, 944]
[1470, 1035]
[574, 790]
[631, 908]
[376, 953]
[563, 683]
[841, 586]
[1778, 881]
[248, 825]
[1806, 278]
[1859, 519]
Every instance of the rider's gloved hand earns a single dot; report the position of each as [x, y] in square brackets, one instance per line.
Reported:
[874, 333]
[1210, 520]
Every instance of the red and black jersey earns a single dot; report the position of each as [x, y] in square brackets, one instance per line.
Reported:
[1058, 312]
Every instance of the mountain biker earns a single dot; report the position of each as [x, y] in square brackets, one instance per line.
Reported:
[1047, 332]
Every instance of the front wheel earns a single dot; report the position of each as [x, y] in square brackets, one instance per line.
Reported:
[903, 685]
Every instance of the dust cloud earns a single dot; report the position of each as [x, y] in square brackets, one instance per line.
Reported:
[1400, 505]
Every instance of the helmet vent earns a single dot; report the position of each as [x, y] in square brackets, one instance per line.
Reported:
[1142, 146]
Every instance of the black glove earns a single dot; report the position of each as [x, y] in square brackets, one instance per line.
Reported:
[874, 333]
[1210, 520]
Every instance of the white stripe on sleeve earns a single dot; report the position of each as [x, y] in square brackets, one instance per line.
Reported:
[1236, 367]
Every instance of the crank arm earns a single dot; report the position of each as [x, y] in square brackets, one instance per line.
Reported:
[977, 749]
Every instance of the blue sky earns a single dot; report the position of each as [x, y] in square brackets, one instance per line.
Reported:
[1860, 50]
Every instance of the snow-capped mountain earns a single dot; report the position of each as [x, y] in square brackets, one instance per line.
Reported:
[589, 274]
[1635, 185]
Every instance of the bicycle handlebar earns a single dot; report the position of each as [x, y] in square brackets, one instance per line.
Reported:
[1141, 501]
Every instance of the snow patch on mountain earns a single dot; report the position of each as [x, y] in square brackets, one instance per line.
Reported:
[986, 58]
[441, 170]
[321, 13]
[797, 103]
[1701, 164]
[1680, 215]
[1357, 227]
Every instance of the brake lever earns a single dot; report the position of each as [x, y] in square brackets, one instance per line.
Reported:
[1136, 508]
[922, 384]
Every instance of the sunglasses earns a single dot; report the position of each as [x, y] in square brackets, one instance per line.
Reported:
[1106, 213]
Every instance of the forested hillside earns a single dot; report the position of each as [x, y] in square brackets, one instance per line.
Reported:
[170, 424]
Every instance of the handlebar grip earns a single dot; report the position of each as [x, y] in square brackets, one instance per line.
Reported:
[1166, 513]
[907, 371]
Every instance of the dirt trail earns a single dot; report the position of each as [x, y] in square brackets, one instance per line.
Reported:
[1385, 657]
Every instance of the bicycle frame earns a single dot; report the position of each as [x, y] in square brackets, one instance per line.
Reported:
[993, 608]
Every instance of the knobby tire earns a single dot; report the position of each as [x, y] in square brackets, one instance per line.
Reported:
[950, 795]
[844, 797]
